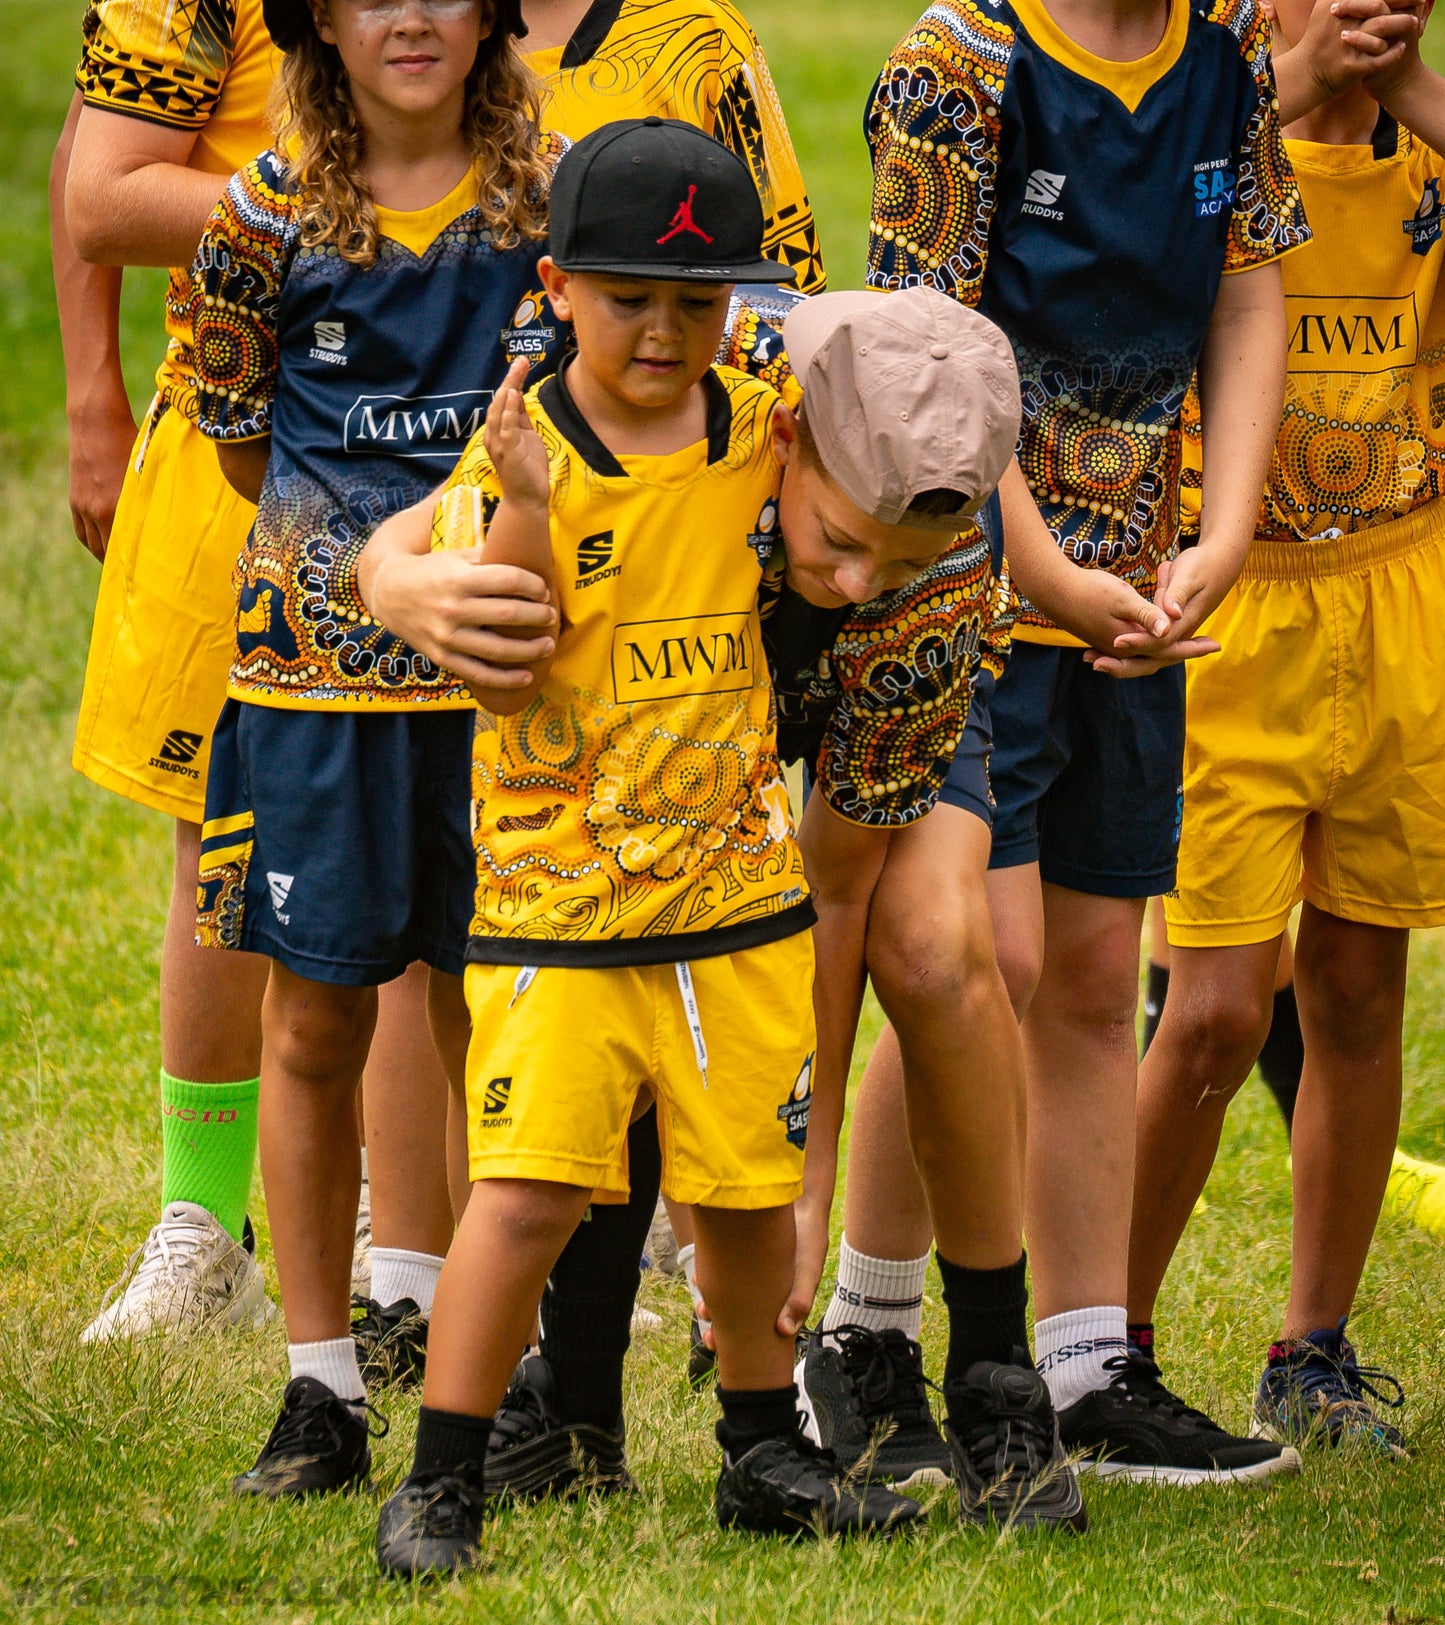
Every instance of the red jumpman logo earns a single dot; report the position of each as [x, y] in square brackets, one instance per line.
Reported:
[683, 221]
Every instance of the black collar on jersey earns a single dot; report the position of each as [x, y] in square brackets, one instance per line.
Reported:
[557, 403]
[289, 21]
[589, 35]
[1385, 142]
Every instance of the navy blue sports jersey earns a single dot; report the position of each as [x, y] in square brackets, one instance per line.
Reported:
[1090, 208]
[370, 381]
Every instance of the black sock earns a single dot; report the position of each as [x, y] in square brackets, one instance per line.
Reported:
[446, 1440]
[1141, 1336]
[750, 1415]
[1156, 990]
[985, 1314]
[1282, 1058]
[587, 1307]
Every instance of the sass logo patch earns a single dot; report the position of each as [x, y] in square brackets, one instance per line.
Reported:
[1423, 227]
[764, 536]
[494, 1103]
[531, 333]
[178, 750]
[280, 888]
[594, 559]
[1041, 194]
[795, 1109]
[1214, 187]
[330, 342]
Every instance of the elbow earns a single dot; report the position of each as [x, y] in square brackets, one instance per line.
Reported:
[91, 230]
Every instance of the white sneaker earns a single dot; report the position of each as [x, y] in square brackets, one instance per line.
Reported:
[645, 1323]
[661, 1248]
[361, 1251]
[189, 1271]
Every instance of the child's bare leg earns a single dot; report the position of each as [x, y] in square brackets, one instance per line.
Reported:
[1212, 1027]
[1351, 985]
[745, 1270]
[486, 1304]
[451, 1031]
[404, 1094]
[316, 1038]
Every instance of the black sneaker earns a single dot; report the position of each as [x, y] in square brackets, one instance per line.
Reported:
[1136, 1429]
[789, 1486]
[701, 1360]
[865, 1398]
[390, 1342]
[320, 1444]
[432, 1525]
[1008, 1460]
[533, 1453]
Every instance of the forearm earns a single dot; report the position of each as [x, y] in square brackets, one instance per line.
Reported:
[87, 299]
[124, 204]
[1037, 563]
[243, 462]
[1241, 395]
[405, 535]
[1418, 102]
[1299, 88]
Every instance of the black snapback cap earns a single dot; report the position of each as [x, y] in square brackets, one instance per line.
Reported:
[290, 21]
[657, 199]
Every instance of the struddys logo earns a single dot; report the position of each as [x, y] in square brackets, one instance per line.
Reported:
[764, 536]
[1423, 227]
[532, 332]
[794, 1110]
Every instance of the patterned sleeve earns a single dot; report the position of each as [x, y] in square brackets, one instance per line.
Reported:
[236, 282]
[753, 338]
[933, 125]
[156, 60]
[750, 122]
[904, 666]
[1269, 217]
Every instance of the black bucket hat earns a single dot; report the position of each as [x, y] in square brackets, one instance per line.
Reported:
[289, 21]
[657, 199]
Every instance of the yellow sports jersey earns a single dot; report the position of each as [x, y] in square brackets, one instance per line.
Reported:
[1363, 433]
[200, 66]
[698, 61]
[634, 813]
[1362, 439]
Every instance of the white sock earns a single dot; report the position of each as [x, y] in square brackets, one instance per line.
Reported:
[879, 1293]
[687, 1262]
[398, 1274]
[332, 1362]
[1071, 1349]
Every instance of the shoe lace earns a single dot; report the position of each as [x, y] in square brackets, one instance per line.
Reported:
[174, 1249]
[454, 1504]
[316, 1427]
[1338, 1381]
[522, 1413]
[886, 1371]
[1009, 1442]
[1135, 1377]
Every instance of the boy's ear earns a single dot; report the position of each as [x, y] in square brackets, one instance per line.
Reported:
[556, 281]
[785, 434]
[321, 16]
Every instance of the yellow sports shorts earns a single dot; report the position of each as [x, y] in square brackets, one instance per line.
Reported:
[558, 1056]
[1314, 761]
[160, 648]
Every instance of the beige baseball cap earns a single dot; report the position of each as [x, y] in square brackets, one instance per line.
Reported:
[906, 394]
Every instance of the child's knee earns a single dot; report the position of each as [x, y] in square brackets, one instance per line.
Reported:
[931, 963]
[315, 1032]
[530, 1213]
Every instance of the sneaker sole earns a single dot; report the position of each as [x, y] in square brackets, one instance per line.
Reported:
[925, 1478]
[248, 1311]
[1378, 1446]
[1286, 1463]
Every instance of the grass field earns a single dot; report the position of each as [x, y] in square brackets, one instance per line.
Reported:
[114, 1464]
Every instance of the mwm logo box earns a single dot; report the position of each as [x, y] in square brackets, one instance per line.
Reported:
[414, 426]
[698, 654]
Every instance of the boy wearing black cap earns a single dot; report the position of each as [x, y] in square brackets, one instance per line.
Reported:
[642, 919]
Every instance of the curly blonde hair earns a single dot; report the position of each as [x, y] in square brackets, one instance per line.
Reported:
[321, 138]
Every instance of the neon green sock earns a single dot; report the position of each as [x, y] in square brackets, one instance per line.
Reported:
[208, 1131]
